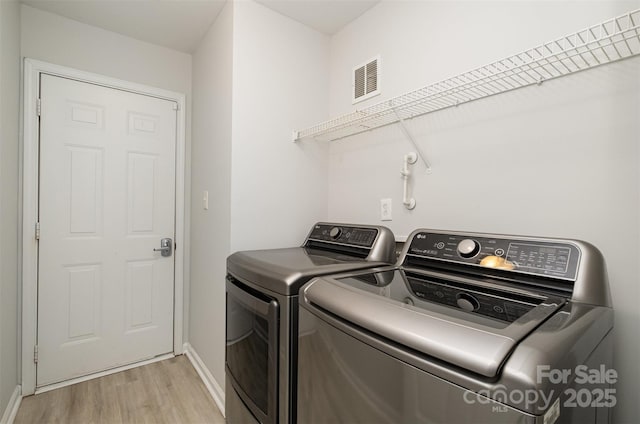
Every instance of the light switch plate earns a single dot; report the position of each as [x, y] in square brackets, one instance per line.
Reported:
[205, 200]
[385, 209]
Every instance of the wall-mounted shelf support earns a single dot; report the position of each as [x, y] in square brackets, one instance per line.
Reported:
[405, 131]
[607, 42]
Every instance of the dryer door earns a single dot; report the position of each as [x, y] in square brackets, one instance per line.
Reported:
[251, 351]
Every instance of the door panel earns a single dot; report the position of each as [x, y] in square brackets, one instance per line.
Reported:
[142, 176]
[84, 300]
[107, 196]
[85, 191]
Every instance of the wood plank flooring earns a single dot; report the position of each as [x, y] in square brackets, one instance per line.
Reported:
[168, 391]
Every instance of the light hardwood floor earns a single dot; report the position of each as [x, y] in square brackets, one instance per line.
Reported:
[169, 391]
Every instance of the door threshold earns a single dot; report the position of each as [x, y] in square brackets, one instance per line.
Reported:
[87, 377]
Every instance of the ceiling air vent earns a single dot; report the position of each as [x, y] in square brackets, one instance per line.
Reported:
[366, 82]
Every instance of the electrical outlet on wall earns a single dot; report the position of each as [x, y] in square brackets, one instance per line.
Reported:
[385, 209]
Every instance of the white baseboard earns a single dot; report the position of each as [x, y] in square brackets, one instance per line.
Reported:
[207, 378]
[12, 408]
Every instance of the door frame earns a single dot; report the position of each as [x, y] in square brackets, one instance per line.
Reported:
[30, 176]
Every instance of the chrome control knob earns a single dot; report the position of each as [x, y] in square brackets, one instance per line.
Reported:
[468, 248]
[335, 232]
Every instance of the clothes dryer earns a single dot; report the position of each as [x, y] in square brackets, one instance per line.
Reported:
[262, 313]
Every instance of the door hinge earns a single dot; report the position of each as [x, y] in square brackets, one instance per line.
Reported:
[35, 354]
[176, 106]
[38, 107]
[37, 230]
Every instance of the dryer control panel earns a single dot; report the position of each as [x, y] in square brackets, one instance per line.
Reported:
[550, 258]
[344, 234]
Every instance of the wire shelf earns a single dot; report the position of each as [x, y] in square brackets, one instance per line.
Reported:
[610, 41]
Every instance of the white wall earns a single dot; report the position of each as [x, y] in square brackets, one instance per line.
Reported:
[211, 171]
[55, 39]
[559, 160]
[9, 220]
[257, 76]
[280, 74]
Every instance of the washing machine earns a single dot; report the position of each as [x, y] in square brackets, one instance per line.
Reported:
[467, 328]
[262, 313]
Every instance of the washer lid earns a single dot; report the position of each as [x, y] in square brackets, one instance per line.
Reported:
[388, 304]
[284, 271]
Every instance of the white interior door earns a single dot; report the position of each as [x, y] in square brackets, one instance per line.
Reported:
[107, 198]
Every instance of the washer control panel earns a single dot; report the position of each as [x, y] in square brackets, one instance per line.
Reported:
[487, 304]
[550, 258]
[344, 234]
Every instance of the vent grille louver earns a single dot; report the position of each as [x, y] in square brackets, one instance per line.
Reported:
[359, 87]
[372, 76]
[366, 80]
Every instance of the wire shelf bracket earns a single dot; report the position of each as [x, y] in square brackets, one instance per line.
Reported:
[607, 42]
[407, 133]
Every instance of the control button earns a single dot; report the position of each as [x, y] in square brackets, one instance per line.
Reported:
[439, 294]
[467, 302]
[499, 252]
[335, 232]
[468, 248]
[498, 309]
[439, 245]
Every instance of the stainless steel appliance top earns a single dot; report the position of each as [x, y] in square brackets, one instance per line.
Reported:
[329, 248]
[468, 299]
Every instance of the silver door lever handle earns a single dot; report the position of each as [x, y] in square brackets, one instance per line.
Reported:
[166, 246]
